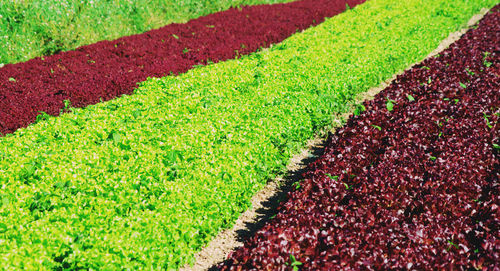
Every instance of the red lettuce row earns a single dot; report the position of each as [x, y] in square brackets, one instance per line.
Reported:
[108, 69]
[410, 183]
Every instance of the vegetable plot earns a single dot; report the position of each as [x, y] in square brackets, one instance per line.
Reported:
[43, 27]
[108, 69]
[411, 183]
[144, 181]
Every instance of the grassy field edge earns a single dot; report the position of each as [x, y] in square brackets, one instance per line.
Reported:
[35, 28]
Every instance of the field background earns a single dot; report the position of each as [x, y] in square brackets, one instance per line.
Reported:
[32, 28]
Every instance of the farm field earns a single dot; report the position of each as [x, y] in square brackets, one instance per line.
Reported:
[146, 179]
[410, 183]
[108, 69]
[34, 28]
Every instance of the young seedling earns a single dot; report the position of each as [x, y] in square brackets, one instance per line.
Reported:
[451, 244]
[464, 86]
[67, 106]
[294, 263]
[377, 127]
[175, 36]
[469, 72]
[487, 120]
[12, 79]
[389, 105]
[410, 98]
[485, 62]
[336, 178]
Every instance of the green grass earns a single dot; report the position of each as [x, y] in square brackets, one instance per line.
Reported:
[144, 181]
[31, 28]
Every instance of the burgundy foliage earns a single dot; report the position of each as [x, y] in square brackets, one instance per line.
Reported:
[417, 186]
[108, 69]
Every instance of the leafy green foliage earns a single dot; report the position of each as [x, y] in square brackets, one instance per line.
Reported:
[145, 180]
[336, 178]
[42, 116]
[451, 244]
[359, 109]
[486, 62]
[488, 123]
[389, 105]
[294, 263]
[44, 27]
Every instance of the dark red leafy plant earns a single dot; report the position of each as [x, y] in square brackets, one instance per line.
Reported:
[408, 184]
[108, 69]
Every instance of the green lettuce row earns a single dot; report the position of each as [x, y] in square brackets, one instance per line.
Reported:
[144, 181]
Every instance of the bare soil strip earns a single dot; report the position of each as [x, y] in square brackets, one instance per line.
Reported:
[265, 202]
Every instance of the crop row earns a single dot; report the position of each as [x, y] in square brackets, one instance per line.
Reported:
[145, 180]
[108, 69]
[43, 27]
[411, 183]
